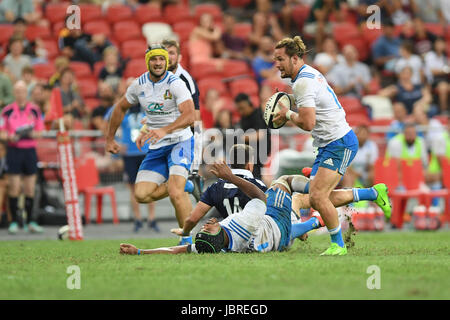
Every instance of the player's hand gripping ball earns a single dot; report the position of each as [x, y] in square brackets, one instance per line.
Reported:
[273, 106]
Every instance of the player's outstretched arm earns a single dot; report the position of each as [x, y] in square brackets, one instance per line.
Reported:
[191, 221]
[114, 122]
[126, 248]
[221, 170]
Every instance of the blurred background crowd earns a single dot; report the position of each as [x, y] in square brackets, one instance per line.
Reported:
[391, 74]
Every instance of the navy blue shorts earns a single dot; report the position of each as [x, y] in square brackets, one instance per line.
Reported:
[337, 155]
[21, 161]
[131, 167]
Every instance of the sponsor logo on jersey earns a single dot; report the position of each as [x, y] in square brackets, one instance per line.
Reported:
[155, 107]
[168, 95]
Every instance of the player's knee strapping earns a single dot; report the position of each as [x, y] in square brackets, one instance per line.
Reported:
[300, 184]
[282, 180]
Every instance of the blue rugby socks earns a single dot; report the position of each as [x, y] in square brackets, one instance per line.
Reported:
[299, 229]
[364, 194]
[336, 236]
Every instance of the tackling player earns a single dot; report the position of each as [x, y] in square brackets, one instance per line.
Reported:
[170, 113]
[319, 111]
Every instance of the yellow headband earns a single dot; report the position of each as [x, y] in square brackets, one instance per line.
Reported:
[157, 52]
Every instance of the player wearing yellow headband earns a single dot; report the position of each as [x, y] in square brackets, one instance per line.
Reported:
[169, 110]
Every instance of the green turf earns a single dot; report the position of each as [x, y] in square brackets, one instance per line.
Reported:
[414, 265]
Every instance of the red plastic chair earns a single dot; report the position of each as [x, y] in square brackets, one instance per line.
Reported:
[133, 48]
[87, 88]
[183, 29]
[135, 68]
[97, 27]
[87, 178]
[211, 8]
[118, 12]
[174, 13]
[276, 85]
[238, 3]
[245, 85]
[205, 69]
[91, 103]
[371, 35]
[351, 104]
[81, 69]
[6, 31]
[233, 68]
[52, 48]
[344, 31]
[90, 12]
[34, 31]
[242, 30]
[98, 66]
[300, 14]
[436, 28]
[148, 13]
[44, 70]
[413, 177]
[211, 83]
[126, 30]
[56, 12]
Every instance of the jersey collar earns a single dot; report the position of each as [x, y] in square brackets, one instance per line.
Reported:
[242, 172]
[148, 77]
[179, 70]
[303, 66]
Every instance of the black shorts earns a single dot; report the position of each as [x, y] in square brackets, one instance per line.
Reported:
[131, 164]
[21, 161]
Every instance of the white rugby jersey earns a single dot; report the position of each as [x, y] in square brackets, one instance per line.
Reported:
[311, 89]
[160, 101]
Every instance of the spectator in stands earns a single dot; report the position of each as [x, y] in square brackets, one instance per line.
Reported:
[397, 125]
[263, 64]
[21, 124]
[13, 9]
[252, 118]
[3, 183]
[318, 23]
[209, 34]
[19, 29]
[408, 58]
[407, 93]
[16, 60]
[402, 11]
[28, 77]
[433, 127]
[106, 95]
[6, 89]
[209, 109]
[79, 46]
[40, 96]
[325, 60]
[386, 7]
[422, 39]
[437, 70]
[407, 145]
[73, 105]
[265, 24]
[430, 11]
[386, 48]
[361, 171]
[234, 45]
[440, 151]
[223, 119]
[61, 63]
[350, 77]
[112, 72]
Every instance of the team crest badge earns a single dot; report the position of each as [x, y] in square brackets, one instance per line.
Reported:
[167, 95]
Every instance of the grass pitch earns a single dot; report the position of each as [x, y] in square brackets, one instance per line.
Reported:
[413, 265]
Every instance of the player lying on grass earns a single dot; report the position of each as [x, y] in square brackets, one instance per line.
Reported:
[257, 228]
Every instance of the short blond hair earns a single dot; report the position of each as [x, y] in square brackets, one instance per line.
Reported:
[293, 46]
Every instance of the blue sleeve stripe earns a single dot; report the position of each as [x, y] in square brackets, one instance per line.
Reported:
[172, 79]
[139, 80]
[307, 76]
[237, 225]
[334, 97]
[238, 233]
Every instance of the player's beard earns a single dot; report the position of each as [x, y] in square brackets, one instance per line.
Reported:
[155, 74]
[173, 66]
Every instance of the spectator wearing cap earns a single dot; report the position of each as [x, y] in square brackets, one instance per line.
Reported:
[16, 60]
[351, 77]
[21, 124]
[252, 118]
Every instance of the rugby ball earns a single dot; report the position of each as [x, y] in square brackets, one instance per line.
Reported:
[273, 107]
[63, 232]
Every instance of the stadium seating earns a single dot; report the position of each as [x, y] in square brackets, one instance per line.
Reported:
[200, 70]
[81, 69]
[436, 29]
[44, 70]
[52, 48]
[135, 68]
[56, 12]
[97, 27]
[148, 13]
[183, 29]
[126, 30]
[245, 85]
[6, 31]
[90, 12]
[91, 103]
[300, 14]
[211, 8]
[174, 13]
[233, 68]
[205, 84]
[87, 87]
[238, 3]
[342, 32]
[242, 30]
[87, 178]
[133, 48]
[118, 12]
[36, 31]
